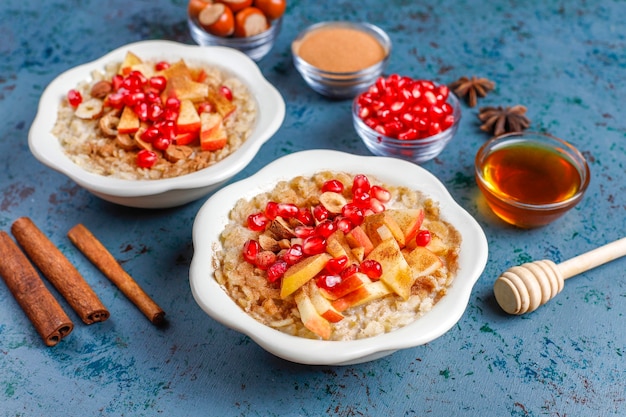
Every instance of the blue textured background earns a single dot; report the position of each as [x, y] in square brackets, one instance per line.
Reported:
[564, 60]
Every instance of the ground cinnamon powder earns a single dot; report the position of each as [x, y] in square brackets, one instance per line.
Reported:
[339, 49]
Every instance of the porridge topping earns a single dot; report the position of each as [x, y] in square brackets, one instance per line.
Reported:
[336, 256]
[150, 120]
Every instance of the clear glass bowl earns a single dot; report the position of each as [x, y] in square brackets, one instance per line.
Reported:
[415, 150]
[341, 85]
[552, 180]
[256, 47]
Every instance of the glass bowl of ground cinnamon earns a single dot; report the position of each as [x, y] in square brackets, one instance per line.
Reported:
[341, 59]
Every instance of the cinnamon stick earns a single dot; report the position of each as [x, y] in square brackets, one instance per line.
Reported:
[29, 291]
[59, 271]
[95, 251]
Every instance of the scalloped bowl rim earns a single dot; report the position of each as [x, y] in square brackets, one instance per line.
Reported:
[213, 216]
[48, 150]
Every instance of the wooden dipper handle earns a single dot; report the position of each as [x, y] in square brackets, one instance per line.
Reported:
[522, 289]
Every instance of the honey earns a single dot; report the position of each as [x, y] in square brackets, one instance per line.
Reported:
[531, 174]
[530, 183]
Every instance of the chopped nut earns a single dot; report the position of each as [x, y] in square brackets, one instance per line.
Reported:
[333, 202]
[175, 153]
[280, 229]
[90, 109]
[125, 141]
[108, 123]
[101, 89]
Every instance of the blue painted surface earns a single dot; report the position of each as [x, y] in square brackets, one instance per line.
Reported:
[566, 61]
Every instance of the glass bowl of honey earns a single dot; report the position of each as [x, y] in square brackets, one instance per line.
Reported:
[531, 179]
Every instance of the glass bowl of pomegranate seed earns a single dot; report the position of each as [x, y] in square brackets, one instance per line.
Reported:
[280, 257]
[340, 59]
[125, 128]
[406, 118]
[248, 26]
[531, 179]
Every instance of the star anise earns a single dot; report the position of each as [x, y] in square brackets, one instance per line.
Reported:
[472, 88]
[499, 120]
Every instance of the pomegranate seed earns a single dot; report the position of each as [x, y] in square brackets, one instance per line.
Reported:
[167, 128]
[205, 107]
[409, 134]
[328, 281]
[360, 183]
[371, 268]
[257, 222]
[376, 206]
[117, 81]
[172, 103]
[226, 92]
[344, 224]
[351, 270]
[170, 114]
[336, 265]
[325, 228]
[158, 82]
[250, 250]
[271, 210]
[380, 193]
[304, 231]
[161, 65]
[305, 217]
[161, 143]
[334, 186]
[287, 210]
[293, 254]
[353, 213]
[155, 111]
[141, 109]
[115, 100]
[276, 270]
[74, 98]
[361, 199]
[138, 77]
[150, 134]
[265, 259]
[320, 213]
[422, 238]
[146, 158]
[313, 245]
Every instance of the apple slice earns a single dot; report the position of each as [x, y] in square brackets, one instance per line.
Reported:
[409, 220]
[188, 118]
[337, 246]
[347, 285]
[299, 274]
[311, 319]
[362, 295]
[222, 105]
[358, 238]
[129, 121]
[322, 305]
[372, 226]
[423, 261]
[130, 59]
[212, 133]
[396, 271]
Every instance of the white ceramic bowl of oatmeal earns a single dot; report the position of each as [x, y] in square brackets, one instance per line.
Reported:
[162, 192]
[213, 217]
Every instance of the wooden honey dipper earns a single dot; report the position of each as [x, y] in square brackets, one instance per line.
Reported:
[522, 289]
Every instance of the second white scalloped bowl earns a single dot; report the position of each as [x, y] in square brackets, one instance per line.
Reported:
[213, 217]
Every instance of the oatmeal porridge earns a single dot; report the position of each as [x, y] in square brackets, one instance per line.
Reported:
[140, 119]
[337, 256]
